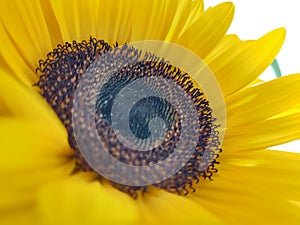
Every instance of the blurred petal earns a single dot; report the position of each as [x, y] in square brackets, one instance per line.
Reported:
[254, 188]
[174, 209]
[85, 202]
[19, 100]
[31, 156]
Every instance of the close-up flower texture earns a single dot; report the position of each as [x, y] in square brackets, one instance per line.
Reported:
[45, 49]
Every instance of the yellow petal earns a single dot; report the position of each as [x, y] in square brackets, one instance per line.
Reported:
[244, 62]
[13, 58]
[182, 15]
[21, 184]
[268, 168]
[77, 201]
[263, 101]
[4, 66]
[161, 207]
[26, 143]
[24, 215]
[197, 9]
[19, 100]
[155, 22]
[24, 36]
[256, 82]
[34, 146]
[187, 13]
[54, 30]
[32, 154]
[292, 110]
[71, 17]
[79, 20]
[227, 42]
[254, 188]
[114, 20]
[205, 33]
[264, 134]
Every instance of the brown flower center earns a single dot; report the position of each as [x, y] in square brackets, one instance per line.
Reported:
[60, 75]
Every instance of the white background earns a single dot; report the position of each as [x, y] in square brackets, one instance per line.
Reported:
[254, 18]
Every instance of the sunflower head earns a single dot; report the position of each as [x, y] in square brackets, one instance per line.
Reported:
[115, 112]
[93, 74]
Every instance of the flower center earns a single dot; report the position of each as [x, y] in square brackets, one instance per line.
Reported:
[154, 122]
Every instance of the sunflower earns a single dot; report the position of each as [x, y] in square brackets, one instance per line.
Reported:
[46, 179]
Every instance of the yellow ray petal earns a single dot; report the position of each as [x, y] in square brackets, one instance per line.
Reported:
[19, 100]
[28, 20]
[254, 188]
[264, 134]
[85, 202]
[107, 20]
[292, 110]
[24, 36]
[32, 154]
[205, 33]
[263, 101]
[70, 16]
[155, 22]
[13, 58]
[114, 21]
[240, 203]
[182, 14]
[227, 42]
[187, 13]
[255, 82]
[268, 168]
[197, 9]
[243, 63]
[53, 27]
[26, 142]
[24, 215]
[161, 207]
[287, 162]
[21, 184]
[4, 66]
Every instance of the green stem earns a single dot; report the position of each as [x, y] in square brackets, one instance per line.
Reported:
[276, 68]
